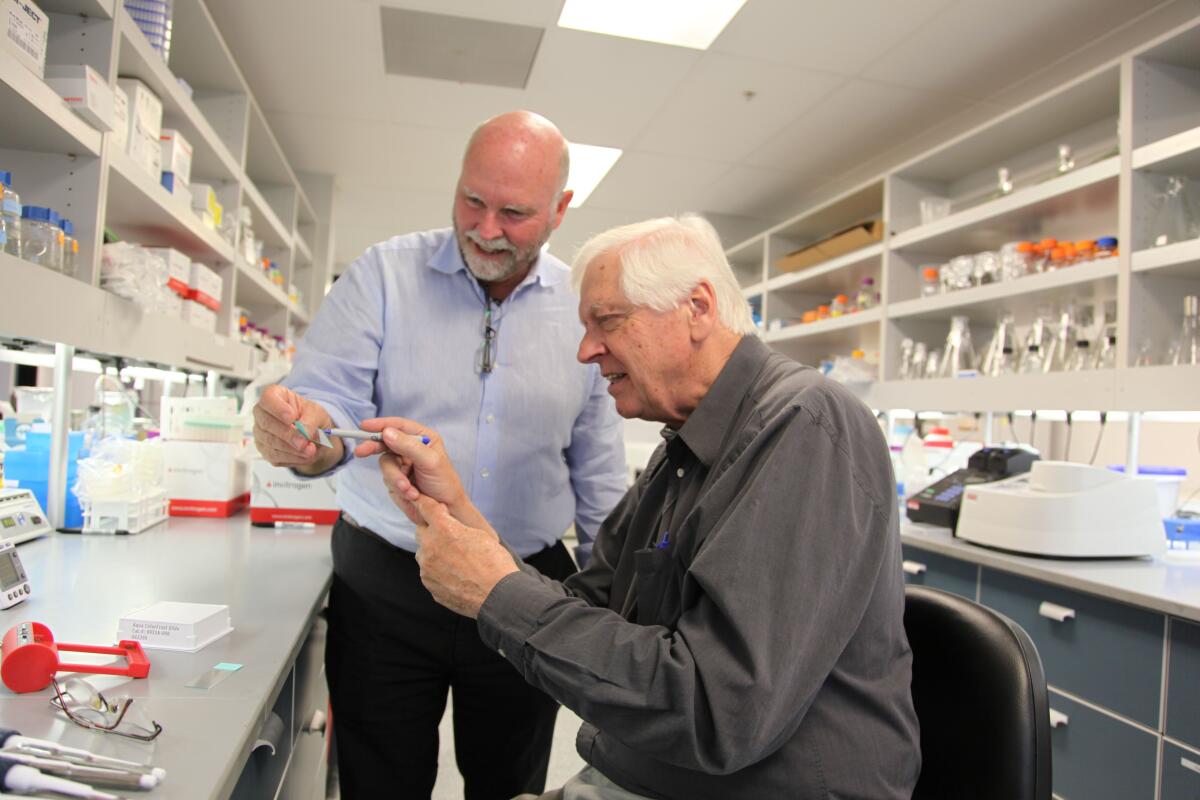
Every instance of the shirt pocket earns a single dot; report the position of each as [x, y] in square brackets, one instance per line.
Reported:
[657, 582]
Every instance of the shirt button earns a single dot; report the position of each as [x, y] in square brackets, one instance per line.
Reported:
[679, 472]
[501, 652]
[490, 418]
[485, 472]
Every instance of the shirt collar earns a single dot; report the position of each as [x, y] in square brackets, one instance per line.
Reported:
[705, 428]
[448, 259]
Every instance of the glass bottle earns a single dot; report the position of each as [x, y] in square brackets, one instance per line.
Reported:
[1038, 343]
[1175, 220]
[1002, 340]
[1106, 246]
[1081, 356]
[866, 294]
[1032, 363]
[70, 256]
[1106, 354]
[1004, 184]
[1085, 250]
[930, 282]
[839, 306]
[38, 237]
[959, 354]
[906, 359]
[919, 357]
[1188, 349]
[10, 215]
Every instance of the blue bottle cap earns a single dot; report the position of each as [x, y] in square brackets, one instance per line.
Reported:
[54, 217]
[6, 178]
[66, 226]
[35, 212]
[1106, 241]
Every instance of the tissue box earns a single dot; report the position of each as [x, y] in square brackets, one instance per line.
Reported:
[88, 94]
[176, 154]
[176, 626]
[278, 495]
[27, 29]
[205, 479]
[179, 269]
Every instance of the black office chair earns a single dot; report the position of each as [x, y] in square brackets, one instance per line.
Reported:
[980, 696]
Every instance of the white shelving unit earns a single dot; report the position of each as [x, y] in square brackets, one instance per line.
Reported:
[59, 160]
[1148, 98]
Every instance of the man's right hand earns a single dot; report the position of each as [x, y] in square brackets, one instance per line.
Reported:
[281, 444]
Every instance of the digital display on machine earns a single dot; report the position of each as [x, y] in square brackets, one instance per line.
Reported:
[8, 571]
[8, 522]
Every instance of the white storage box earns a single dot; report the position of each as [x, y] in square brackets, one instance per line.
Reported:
[88, 94]
[125, 516]
[199, 316]
[145, 126]
[26, 31]
[201, 419]
[279, 495]
[179, 269]
[176, 187]
[120, 131]
[206, 286]
[176, 626]
[205, 479]
[176, 154]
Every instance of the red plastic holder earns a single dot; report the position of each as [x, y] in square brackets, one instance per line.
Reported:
[29, 658]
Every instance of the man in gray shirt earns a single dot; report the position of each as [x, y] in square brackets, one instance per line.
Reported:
[739, 629]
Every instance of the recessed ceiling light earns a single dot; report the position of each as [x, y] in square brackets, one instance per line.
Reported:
[686, 23]
[589, 165]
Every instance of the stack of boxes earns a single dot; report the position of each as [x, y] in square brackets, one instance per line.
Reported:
[153, 17]
[144, 130]
[204, 300]
[28, 467]
[85, 92]
[176, 287]
[176, 163]
[205, 461]
[26, 33]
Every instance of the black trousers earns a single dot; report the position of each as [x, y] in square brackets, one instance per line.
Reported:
[390, 658]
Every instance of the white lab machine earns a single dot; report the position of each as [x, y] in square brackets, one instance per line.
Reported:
[14, 583]
[21, 518]
[1065, 510]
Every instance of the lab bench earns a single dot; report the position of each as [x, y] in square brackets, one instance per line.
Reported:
[275, 583]
[1120, 643]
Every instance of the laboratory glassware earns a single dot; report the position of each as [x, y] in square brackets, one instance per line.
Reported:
[1176, 219]
[959, 354]
[10, 215]
[1187, 350]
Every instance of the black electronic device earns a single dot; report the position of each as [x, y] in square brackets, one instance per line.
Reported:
[937, 504]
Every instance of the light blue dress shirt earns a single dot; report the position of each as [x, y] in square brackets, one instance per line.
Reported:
[537, 441]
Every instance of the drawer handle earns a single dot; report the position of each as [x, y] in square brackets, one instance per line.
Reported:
[1192, 765]
[1056, 612]
[914, 567]
[1058, 718]
[317, 723]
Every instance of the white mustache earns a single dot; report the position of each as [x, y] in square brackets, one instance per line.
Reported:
[499, 244]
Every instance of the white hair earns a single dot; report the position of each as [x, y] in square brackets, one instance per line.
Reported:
[663, 260]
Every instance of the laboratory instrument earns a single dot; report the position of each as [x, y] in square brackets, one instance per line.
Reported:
[938, 503]
[21, 517]
[24, 779]
[1064, 510]
[29, 658]
[99, 776]
[14, 583]
[12, 741]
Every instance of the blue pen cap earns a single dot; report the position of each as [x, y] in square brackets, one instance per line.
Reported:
[66, 226]
[1107, 242]
[35, 212]
[6, 178]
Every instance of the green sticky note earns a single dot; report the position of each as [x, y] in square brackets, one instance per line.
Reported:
[225, 665]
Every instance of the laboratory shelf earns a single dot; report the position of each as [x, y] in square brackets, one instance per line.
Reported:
[837, 275]
[36, 118]
[1174, 155]
[823, 328]
[159, 339]
[267, 226]
[746, 258]
[140, 209]
[850, 208]
[256, 292]
[1055, 287]
[1181, 259]
[211, 159]
[265, 162]
[1091, 390]
[303, 251]
[26, 308]
[298, 314]
[1017, 215]
[305, 215]
[102, 9]
[1160, 388]
[754, 290]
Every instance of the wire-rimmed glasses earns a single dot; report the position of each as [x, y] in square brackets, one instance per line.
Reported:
[89, 708]
[486, 361]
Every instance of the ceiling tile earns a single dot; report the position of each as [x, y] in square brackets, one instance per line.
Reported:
[840, 37]
[710, 115]
[977, 47]
[755, 192]
[654, 185]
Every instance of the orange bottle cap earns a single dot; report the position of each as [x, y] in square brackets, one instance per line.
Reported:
[1025, 247]
[841, 298]
[1085, 244]
[1056, 253]
[930, 272]
[1048, 243]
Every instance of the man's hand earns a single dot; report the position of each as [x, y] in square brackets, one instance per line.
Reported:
[459, 565]
[278, 440]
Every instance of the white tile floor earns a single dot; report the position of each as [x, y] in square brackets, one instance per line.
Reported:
[564, 761]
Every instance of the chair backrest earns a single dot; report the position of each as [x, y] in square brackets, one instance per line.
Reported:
[980, 696]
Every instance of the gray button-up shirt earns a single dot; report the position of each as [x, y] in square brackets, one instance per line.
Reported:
[739, 631]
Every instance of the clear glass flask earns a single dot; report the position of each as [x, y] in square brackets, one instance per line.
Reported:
[959, 354]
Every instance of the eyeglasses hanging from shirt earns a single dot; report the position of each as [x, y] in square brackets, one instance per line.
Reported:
[486, 360]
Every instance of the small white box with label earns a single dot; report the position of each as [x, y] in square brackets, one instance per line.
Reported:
[176, 626]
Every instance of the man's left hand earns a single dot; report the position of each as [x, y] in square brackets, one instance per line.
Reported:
[459, 565]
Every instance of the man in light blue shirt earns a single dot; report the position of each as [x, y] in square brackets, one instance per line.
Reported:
[472, 329]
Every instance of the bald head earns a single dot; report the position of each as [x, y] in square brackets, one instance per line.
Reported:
[526, 137]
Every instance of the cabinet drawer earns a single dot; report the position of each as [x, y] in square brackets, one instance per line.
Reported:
[1106, 652]
[1183, 683]
[1180, 773]
[924, 568]
[1097, 757]
[311, 691]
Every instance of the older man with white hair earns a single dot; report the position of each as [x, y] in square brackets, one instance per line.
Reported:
[739, 629]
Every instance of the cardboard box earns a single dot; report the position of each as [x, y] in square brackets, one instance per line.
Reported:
[853, 238]
[145, 109]
[186, 627]
[26, 32]
[177, 188]
[120, 131]
[176, 154]
[199, 316]
[179, 269]
[88, 94]
[206, 286]
[279, 495]
[205, 479]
